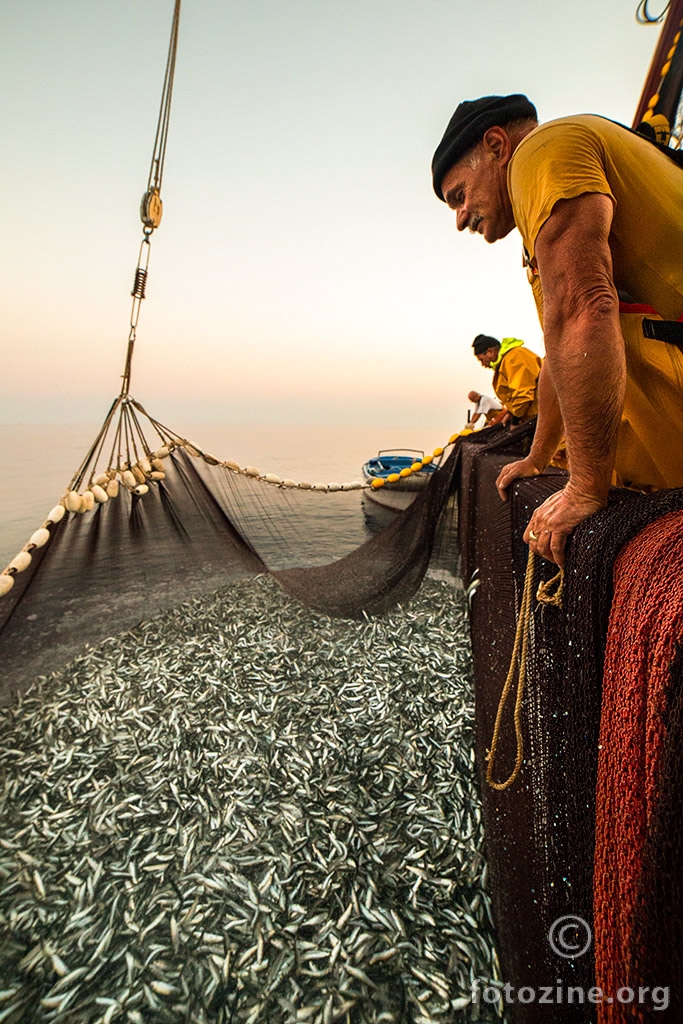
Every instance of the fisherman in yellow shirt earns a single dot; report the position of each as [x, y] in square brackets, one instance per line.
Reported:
[515, 373]
[600, 212]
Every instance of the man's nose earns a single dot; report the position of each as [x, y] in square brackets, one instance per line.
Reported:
[461, 219]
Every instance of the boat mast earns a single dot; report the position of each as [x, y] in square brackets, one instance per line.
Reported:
[664, 83]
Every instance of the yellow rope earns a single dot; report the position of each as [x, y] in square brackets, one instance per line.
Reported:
[549, 592]
[519, 653]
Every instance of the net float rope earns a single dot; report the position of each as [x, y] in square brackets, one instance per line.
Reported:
[23, 559]
[135, 466]
[417, 466]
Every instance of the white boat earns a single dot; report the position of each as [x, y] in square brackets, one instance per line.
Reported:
[404, 472]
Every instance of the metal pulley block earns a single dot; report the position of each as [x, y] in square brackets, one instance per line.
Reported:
[151, 208]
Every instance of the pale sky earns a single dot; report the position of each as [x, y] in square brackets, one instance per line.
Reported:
[304, 270]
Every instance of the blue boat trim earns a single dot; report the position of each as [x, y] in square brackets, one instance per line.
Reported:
[385, 465]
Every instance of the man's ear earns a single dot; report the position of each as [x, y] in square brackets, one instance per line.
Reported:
[497, 141]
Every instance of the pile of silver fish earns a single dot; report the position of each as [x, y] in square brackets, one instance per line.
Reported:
[244, 811]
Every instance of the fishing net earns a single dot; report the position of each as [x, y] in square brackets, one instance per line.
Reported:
[541, 831]
[196, 523]
[637, 873]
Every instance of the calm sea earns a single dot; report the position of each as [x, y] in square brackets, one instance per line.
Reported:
[38, 462]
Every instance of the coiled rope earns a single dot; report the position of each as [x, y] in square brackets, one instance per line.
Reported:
[549, 592]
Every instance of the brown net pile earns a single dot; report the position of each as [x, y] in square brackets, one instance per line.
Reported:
[541, 831]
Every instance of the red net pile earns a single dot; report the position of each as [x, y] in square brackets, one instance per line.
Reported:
[638, 882]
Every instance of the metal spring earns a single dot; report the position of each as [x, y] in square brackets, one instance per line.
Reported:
[139, 284]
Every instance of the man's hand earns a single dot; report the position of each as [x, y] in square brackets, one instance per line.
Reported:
[515, 471]
[554, 520]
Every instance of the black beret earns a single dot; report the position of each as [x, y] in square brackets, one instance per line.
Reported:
[483, 342]
[467, 127]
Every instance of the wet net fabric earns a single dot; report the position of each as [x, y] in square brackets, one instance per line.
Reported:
[541, 831]
[638, 806]
[199, 528]
[389, 567]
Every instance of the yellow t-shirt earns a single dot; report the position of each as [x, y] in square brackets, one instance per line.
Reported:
[574, 155]
[586, 153]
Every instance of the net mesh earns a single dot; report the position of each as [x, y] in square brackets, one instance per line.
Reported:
[637, 894]
[199, 527]
[541, 832]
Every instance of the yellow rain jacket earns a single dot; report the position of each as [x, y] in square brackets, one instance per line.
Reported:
[515, 378]
[576, 155]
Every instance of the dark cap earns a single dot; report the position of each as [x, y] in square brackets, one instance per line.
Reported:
[467, 127]
[483, 342]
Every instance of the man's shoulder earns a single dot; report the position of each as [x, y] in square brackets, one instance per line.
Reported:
[591, 136]
[566, 129]
[560, 159]
[521, 354]
[592, 124]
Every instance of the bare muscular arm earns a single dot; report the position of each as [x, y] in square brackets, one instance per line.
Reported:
[585, 354]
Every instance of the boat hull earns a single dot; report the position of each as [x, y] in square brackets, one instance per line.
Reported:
[398, 494]
[391, 497]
